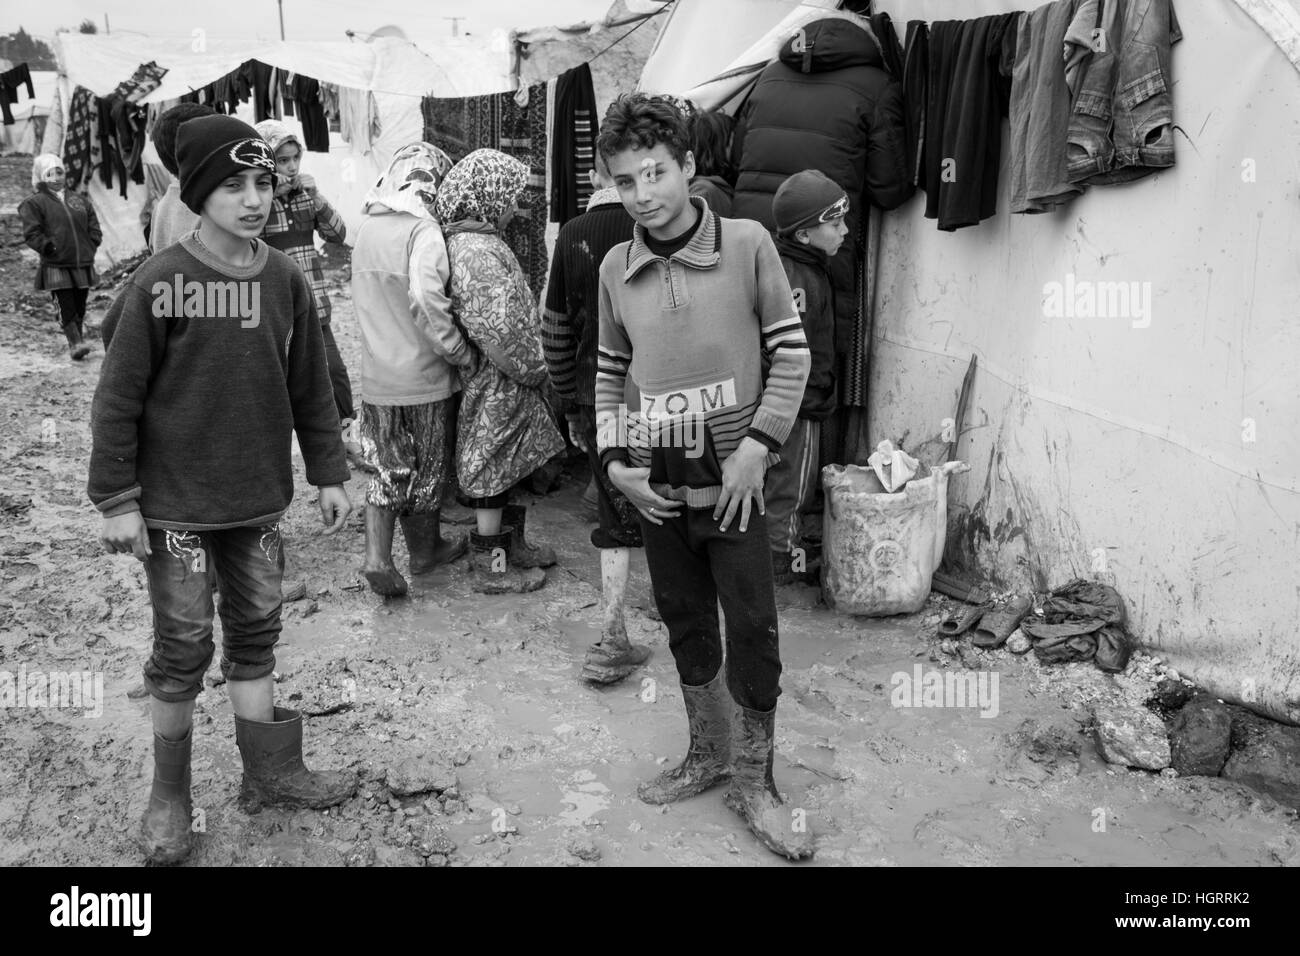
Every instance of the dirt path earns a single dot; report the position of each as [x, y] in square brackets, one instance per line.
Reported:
[487, 689]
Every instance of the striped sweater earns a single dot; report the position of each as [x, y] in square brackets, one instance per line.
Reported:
[679, 380]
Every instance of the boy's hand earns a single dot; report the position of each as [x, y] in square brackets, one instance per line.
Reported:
[635, 485]
[126, 534]
[335, 506]
[742, 480]
[307, 184]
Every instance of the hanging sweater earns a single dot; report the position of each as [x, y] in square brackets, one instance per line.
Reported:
[208, 369]
[682, 342]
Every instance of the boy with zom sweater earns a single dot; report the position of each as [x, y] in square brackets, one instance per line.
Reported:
[688, 308]
[215, 358]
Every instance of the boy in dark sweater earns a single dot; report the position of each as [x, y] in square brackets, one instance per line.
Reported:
[689, 308]
[570, 330]
[809, 210]
[216, 356]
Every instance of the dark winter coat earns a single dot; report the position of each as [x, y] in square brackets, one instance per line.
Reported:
[65, 234]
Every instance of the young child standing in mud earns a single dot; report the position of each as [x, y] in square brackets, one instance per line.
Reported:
[505, 431]
[215, 358]
[688, 308]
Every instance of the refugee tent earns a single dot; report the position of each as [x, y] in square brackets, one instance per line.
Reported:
[1155, 448]
[395, 71]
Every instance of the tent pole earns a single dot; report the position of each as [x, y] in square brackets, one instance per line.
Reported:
[280, 4]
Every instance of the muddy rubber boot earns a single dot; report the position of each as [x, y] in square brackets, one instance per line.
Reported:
[613, 657]
[81, 334]
[426, 545]
[490, 560]
[707, 763]
[77, 348]
[753, 792]
[274, 774]
[165, 828]
[523, 554]
[379, 570]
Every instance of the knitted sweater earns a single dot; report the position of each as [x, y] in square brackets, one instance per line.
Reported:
[208, 370]
[570, 321]
[681, 350]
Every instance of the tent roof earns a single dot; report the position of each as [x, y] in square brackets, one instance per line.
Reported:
[461, 67]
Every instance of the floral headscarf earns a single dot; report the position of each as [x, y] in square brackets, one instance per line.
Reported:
[42, 165]
[483, 186]
[411, 182]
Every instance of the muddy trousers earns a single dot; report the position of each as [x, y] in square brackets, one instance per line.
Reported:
[250, 562]
[693, 567]
[72, 304]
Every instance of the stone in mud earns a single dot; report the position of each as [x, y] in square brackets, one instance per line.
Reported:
[1172, 694]
[1018, 643]
[435, 859]
[416, 775]
[584, 848]
[360, 856]
[1131, 737]
[1201, 737]
[1265, 757]
[397, 856]
[461, 758]
[434, 839]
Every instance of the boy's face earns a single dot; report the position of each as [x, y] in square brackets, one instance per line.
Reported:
[287, 158]
[826, 236]
[241, 203]
[654, 188]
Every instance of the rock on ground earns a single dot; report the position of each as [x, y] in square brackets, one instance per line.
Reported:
[1265, 756]
[1132, 736]
[1200, 737]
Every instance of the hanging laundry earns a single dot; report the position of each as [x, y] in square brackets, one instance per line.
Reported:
[286, 91]
[329, 101]
[146, 78]
[969, 88]
[358, 116]
[916, 81]
[515, 124]
[573, 141]
[882, 28]
[315, 128]
[10, 82]
[1122, 127]
[76, 144]
[1040, 102]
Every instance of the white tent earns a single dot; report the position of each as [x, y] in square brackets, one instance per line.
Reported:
[22, 136]
[1161, 454]
[397, 72]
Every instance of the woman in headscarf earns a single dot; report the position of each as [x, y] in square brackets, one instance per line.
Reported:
[410, 353]
[62, 227]
[506, 431]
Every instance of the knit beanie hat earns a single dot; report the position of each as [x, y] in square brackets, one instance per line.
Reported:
[209, 149]
[805, 199]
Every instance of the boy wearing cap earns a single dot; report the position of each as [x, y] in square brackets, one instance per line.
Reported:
[686, 425]
[809, 210]
[216, 357]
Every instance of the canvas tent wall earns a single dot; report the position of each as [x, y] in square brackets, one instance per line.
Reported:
[1157, 450]
[397, 72]
[24, 136]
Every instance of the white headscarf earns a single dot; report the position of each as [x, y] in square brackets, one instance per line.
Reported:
[42, 165]
[411, 182]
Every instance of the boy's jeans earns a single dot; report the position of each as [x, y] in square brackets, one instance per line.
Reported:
[250, 564]
[693, 566]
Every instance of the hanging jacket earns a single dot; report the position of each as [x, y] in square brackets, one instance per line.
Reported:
[65, 233]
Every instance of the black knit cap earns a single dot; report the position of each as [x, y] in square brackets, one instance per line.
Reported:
[803, 198]
[210, 149]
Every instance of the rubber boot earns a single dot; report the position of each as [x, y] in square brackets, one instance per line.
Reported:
[378, 570]
[708, 759]
[81, 334]
[165, 831]
[274, 774]
[77, 348]
[753, 794]
[426, 545]
[523, 554]
[613, 657]
[490, 559]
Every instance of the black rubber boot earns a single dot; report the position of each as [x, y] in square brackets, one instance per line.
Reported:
[425, 544]
[379, 570]
[753, 792]
[274, 774]
[490, 559]
[165, 829]
[77, 347]
[707, 763]
[523, 554]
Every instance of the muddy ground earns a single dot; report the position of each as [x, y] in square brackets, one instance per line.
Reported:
[523, 763]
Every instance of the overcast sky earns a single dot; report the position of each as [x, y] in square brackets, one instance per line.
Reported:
[303, 19]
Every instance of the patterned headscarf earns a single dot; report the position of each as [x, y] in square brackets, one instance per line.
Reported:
[483, 185]
[42, 165]
[411, 182]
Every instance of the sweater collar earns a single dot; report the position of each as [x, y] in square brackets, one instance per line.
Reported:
[704, 251]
